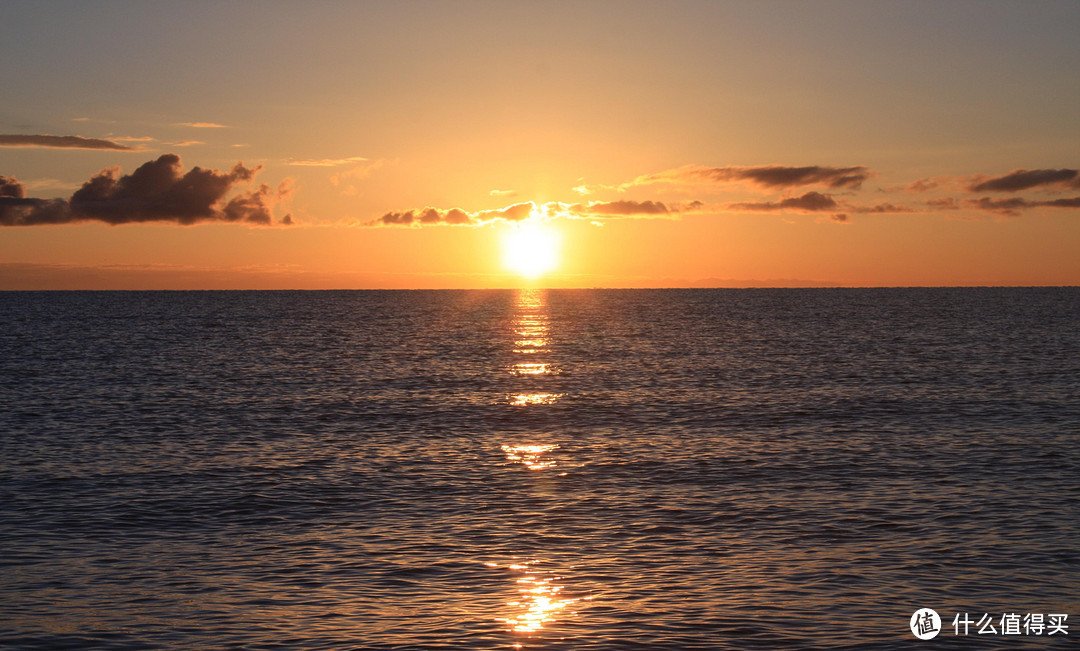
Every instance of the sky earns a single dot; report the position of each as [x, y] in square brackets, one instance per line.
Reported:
[251, 145]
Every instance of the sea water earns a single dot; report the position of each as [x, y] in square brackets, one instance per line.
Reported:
[578, 469]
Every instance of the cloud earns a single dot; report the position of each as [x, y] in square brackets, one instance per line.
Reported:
[60, 142]
[202, 125]
[1013, 206]
[185, 143]
[768, 176]
[594, 210]
[922, 185]
[132, 138]
[512, 213]
[621, 208]
[11, 188]
[943, 203]
[813, 202]
[916, 187]
[878, 209]
[157, 191]
[345, 179]
[503, 193]
[455, 216]
[1025, 180]
[809, 202]
[325, 162]
[616, 209]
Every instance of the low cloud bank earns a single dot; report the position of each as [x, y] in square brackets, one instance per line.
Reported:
[158, 191]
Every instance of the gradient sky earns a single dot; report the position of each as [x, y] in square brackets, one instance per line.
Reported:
[370, 145]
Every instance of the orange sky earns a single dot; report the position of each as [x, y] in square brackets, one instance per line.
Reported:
[684, 144]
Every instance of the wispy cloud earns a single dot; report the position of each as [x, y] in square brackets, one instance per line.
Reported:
[885, 208]
[622, 208]
[60, 142]
[131, 138]
[46, 184]
[942, 203]
[814, 202]
[185, 143]
[361, 168]
[202, 125]
[767, 176]
[1013, 206]
[1018, 180]
[809, 202]
[918, 186]
[157, 191]
[503, 193]
[325, 162]
[625, 208]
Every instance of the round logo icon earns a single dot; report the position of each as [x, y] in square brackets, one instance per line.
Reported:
[925, 624]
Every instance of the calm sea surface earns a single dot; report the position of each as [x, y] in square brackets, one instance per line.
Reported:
[638, 469]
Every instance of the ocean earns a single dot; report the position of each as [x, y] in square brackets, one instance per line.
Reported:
[540, 469]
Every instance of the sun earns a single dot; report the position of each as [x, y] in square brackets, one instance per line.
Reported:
[530, 249]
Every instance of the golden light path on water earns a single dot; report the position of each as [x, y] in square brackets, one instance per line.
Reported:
[539, 600]
[537, 368]
[521, 399]
[531, 456]
[531, 332]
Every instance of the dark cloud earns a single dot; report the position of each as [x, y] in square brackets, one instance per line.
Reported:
[454, 216]
[809, 202]
[775, 176]
[770, 176]
[620, 208]
[944, 203]
[157, 191]
[425, 216]
[878, 209]
[14, 204]
[923, 185]
[1012, 207]
[10, 187]
[917, 187]
[1025, 180]
[623, 208]
[61, 142]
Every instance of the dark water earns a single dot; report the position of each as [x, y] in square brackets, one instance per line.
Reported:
[728, 469]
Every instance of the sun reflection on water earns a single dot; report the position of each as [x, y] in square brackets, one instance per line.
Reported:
[521, 399]
[532, 368]
[531, 456]
[529, 346]
[539, 600]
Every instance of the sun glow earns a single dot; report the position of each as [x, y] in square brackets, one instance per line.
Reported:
[530, 249]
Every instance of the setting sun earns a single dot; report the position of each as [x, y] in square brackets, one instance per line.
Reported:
[530, 249]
